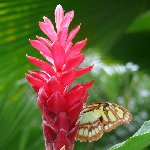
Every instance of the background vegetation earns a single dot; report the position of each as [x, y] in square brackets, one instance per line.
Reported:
[118, 35]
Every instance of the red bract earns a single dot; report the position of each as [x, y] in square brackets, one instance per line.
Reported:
[60, 105]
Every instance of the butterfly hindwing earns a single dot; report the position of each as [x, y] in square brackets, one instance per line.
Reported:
[100, 117]
[90, 132]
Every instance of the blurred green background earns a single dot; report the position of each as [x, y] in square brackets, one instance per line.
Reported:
[118, 35]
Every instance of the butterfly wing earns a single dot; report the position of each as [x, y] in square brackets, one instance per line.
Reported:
[116, 115]
[97, 118]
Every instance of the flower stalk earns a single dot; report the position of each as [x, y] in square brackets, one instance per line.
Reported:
[59, 102]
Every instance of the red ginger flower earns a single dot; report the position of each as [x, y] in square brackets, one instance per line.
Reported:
[60, 105]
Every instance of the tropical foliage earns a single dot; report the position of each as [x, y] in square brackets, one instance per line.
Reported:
[118, 35]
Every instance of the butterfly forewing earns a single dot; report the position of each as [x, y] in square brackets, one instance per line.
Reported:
[116, 115]
[100, 117]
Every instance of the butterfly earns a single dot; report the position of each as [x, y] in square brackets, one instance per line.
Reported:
[97, 118]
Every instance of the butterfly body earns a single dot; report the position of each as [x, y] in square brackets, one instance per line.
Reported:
[97, 118]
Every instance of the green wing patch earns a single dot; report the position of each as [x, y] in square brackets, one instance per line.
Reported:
[97, 118]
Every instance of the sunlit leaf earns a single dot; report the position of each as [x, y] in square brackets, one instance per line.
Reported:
[138, 141]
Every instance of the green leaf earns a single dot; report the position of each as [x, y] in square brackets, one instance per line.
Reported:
[138, 141]
[134, 44]
[142, 23]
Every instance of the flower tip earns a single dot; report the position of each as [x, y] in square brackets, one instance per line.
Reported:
[40, 23]
[45, 18]
[71, 14]
[59, 7]
[26, 75]
[92, 82]
[30, 71]
[78, 26]
[30, 41]
[28, 57]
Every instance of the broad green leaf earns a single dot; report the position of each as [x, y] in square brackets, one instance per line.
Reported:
[133, 47]
[134, 44]
[138, 141]
[142, 23]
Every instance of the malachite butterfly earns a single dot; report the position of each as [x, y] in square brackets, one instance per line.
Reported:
[97, 118]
